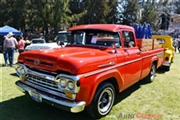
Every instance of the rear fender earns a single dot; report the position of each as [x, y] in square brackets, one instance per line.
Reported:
[168, 57]
[154, 59]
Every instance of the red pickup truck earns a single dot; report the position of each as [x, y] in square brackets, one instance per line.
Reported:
[100, 61]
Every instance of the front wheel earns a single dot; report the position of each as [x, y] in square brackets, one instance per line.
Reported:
[151, 75]
[103, 101]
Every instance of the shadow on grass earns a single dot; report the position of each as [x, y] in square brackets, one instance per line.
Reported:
[14, 74]
[3, 65]
[24, 108]
[133, 88]
[160, 70]
[121, 96]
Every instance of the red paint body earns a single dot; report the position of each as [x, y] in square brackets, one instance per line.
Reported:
[130, 64]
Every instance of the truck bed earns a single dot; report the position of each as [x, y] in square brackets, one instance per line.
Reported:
[148, 44]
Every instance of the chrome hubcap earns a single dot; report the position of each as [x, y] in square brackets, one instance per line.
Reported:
[105, 101]
[153, 72]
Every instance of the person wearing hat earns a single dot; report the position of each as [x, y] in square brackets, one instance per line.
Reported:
[9, 47]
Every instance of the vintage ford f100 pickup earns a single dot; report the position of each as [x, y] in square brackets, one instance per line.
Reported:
[104, 60]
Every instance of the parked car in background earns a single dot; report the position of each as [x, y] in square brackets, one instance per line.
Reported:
[62, 38]
[41, 46]
[166, 41]
[39, 43]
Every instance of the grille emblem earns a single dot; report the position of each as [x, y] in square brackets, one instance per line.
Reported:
[36, 61]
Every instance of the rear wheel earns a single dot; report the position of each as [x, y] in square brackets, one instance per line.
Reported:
[151, 75]
[103, 101]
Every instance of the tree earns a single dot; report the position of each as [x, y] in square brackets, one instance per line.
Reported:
[2, 13]
[97, 11]
[150, 15]
[129, 11]
[177, 7]
[12, 12]
[112, 16]
[78, 12]
[165, 7]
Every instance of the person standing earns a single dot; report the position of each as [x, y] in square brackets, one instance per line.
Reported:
[179, 46]
[9, 46]
[175, 44]
[5, 54]
[21, 44]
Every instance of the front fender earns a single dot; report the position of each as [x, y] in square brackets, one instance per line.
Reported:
[90, 84]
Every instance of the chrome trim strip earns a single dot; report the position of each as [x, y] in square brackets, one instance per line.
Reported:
[103, 70]
[152, 55]
[106, 64]
[46, 90]
[132, 61]
[119, 65]
[68, 78]
[74, 107]
[44, 71]
[32, 82]
[72, 77]
[106, 69]
[45, 76]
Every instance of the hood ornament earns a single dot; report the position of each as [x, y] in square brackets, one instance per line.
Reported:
[36, 61]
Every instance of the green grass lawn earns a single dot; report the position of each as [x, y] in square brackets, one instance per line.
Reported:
[160, 98]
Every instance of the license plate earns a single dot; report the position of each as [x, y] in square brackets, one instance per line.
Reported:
[36, 96]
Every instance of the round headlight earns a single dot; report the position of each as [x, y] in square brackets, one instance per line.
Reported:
[20, 71]
[19, 68]
[70, 85]
[63, 83]
[23, 72]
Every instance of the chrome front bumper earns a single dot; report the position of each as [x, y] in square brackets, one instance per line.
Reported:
[73, 107]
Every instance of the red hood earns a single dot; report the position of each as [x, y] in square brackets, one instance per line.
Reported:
[75, 60]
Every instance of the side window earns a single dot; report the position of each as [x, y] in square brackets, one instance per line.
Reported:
[128, 39]
[161, 40]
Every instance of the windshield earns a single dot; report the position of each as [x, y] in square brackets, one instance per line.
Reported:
[95, 37]
[63, 37]
[37, 41]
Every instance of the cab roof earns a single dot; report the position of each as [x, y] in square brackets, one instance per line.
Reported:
[107, 27]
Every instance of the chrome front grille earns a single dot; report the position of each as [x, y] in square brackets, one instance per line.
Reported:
[41, 81]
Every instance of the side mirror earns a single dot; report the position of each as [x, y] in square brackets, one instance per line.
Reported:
[131, 44]
[114, 46]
